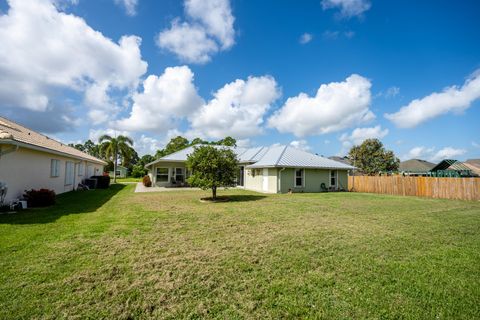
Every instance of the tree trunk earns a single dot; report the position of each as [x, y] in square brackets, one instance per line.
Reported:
[214, 193]
[115, 167]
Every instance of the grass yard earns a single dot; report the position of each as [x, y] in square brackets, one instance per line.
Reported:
[129, 179]
[116, 254]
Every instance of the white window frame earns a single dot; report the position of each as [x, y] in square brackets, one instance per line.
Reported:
[168, 174]
[335, 177]
[69, 173]
[54, 168]
[175, 174]
[90, 171]
[295, 178]
[80, 169]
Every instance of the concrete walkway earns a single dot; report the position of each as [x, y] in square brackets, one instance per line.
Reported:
[141, 188]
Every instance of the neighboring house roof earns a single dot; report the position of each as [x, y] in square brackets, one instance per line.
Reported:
[474, 162]
[264, 157]
[450, 164]
[13, 133]
[181, 156]
[344, 160]
[475, 168]
[415, 165]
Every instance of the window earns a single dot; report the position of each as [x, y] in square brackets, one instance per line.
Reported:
[333, 178]
[179, 176]
[162, 174]
[80, 169]
[54, 168]
[89, 171]
[68, 173]
[299, 173]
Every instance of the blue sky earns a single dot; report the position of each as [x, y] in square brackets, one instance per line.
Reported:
[323, 75]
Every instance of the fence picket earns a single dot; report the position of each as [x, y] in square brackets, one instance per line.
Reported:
[432, 187]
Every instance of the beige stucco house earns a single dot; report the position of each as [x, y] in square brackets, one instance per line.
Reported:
[276, 169]
[29, 160]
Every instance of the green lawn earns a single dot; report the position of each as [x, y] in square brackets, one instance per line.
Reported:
[116, 254]
[129, 179]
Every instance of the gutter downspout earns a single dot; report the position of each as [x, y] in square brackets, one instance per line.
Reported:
[280, 179]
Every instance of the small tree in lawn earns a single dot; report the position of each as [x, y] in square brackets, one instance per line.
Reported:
[212, 168]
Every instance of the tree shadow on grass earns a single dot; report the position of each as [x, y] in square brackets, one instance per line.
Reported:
[67, 203]
[243, 197]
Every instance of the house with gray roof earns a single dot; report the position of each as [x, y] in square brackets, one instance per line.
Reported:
[415, 167]
[275, 169]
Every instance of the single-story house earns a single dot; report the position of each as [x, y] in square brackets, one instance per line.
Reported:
[276, 169]
[415, 167]
[121, 172]
[30, 160]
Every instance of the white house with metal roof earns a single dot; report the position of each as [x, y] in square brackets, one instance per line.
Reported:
[30, 160]
[276, 169]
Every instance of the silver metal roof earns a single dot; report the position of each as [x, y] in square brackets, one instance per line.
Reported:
[182, 155]
[265, 157]
[290, 157]
[251, 154]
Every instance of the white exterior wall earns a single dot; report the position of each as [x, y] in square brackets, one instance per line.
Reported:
[170, 166]
[259, 182]
[27, 169]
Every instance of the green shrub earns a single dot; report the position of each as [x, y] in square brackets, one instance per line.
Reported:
[138, 171]
[146, 181]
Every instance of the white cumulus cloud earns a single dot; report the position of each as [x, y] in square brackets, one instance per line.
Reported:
[336, 106]
[130, 6]
[392, 92]
[421, 152]
[44, 51]
[359, 135]
[447, 153]
[301, 144]
[452, 99]
[348, 8]
[208, 29]
[165, 99]
[306, 38]
[237, 109]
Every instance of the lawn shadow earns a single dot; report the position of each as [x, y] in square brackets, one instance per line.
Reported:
[67, 203]
[244, 197]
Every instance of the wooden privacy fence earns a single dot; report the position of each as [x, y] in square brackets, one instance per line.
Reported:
[445, 188]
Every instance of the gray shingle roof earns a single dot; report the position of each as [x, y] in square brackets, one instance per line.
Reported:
[415, 165]
[263, 157]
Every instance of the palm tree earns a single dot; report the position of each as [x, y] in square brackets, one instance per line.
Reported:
[114, 147]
